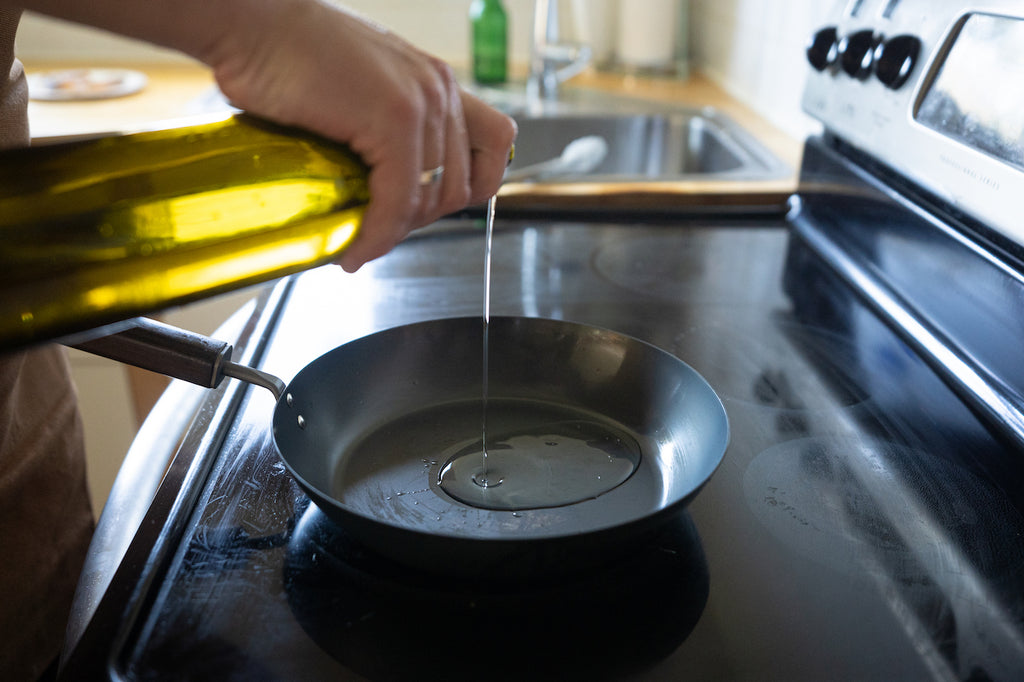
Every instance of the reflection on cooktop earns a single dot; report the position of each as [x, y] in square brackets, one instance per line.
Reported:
[693, 269]
[385, 622]
[764, 359]
[909, 521]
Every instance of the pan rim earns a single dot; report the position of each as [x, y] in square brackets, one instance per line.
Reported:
[527, 527]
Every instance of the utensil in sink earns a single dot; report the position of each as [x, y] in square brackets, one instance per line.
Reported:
[581, 156]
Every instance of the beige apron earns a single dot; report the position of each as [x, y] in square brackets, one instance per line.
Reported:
[45, 517]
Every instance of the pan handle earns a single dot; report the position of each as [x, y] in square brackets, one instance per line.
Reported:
[177, 353]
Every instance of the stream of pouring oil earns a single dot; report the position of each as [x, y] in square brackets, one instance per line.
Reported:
[512, 454]
[484, 481]
[544, 455]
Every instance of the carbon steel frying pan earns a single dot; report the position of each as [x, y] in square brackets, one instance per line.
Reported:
[390, 500]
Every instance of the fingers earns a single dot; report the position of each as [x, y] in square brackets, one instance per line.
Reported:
[434, 132]
[457, 169]
[445, 150]
[400, 109]
[384, 222]
[462, 135]
[424, 132]
[491, 135]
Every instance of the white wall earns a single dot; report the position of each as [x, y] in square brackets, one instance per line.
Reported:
[755, 50]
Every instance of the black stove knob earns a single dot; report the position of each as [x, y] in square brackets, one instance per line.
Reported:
[895, 60]
[823, 49]
[857, 52]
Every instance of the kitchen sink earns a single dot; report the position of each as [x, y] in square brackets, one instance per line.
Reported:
[682, 144]
[647, 141]
[661, 159]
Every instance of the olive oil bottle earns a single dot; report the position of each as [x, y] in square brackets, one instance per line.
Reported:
[98, 230]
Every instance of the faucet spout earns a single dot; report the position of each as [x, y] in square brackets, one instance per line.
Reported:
[551, 61]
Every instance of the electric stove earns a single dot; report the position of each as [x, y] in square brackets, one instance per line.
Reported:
[865, 523]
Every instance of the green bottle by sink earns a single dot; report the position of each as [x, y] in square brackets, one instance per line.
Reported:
[489, 39]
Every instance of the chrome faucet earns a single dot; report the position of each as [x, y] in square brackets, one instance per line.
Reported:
[551, 62]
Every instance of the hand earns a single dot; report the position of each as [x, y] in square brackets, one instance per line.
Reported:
[328, 71]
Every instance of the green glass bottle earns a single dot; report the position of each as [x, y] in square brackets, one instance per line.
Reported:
[489, 33]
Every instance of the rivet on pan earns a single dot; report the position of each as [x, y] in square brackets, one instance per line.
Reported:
[302, 422]
[289, 399]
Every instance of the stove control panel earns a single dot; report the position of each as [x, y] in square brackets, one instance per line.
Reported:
[857, 53]
[864, 53]
[823, 50]
[895, 60]
[933, 89]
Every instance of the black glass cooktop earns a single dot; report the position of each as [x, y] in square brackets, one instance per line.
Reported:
[863, 524]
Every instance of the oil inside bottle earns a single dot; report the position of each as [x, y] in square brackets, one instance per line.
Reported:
[105, 229]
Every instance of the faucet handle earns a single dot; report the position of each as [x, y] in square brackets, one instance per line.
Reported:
[576, 58]
[552, 61]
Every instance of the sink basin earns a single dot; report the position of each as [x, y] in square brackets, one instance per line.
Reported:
[662, 160]
[683, 144]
